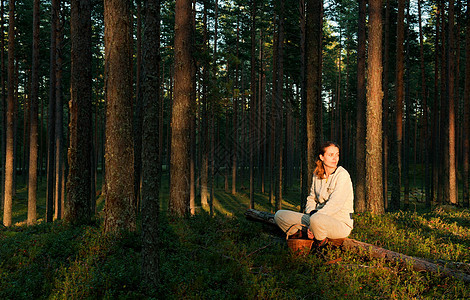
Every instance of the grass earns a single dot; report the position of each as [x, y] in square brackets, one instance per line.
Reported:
[226, 256]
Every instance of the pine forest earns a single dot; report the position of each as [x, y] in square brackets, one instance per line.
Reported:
[138, 138]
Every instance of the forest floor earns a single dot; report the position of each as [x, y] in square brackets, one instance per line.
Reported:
[227, 256]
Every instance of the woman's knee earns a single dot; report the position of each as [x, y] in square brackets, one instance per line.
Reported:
[317, 219]
[278, 216]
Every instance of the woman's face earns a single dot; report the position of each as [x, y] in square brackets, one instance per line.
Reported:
[331, 157]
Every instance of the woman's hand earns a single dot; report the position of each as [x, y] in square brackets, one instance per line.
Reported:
[310, 234]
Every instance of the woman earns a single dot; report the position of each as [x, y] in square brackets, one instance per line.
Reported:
[329, 209]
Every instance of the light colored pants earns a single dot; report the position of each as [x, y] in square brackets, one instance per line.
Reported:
[321, 225]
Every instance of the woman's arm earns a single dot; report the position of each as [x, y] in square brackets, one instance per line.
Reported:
[311, 202]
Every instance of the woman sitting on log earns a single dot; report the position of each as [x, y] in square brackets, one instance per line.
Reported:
[329, 209]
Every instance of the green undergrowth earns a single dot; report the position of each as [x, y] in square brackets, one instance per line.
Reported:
[217, 257]
[225, 256]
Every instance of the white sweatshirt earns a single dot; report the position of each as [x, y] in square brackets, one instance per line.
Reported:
[333, 196]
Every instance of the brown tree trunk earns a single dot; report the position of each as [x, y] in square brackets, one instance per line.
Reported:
[205, 118]
[193, 126]
[78, 205]
[451, 193]
[180, 143]
[407, 132]
[151, 167]
[304, 189]
[120, 199]
[385, 103]
[279, 111]
[435, 116]
[138, 106]
[253, 106]
[443, 112]
[212, 118]
[59, 112]
[33, 135]
[425, 136]
[374, 191]
[360, 187]
[399, 83]
[313, 57]
[51, 113]
[262, 114]
[235, 119]
[9, 170]
[466, 105]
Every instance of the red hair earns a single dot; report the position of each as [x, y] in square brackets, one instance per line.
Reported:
[320, 169]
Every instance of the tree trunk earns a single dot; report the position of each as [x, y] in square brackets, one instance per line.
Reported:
[120, 204]
[252, 128]
[304, 189]
[313, 57]
[193, 125]
[205, 118]
[451, 193]
[151, 167]
[51, 113]
[435, 116]
[78, 205]
[443, 113]
[385, 102]
[9, 170]
[235, 119]
[425, 136]
[33, 135]
[59, 112]
[360, 188]
[407, 132]
[279, 111]
[399, 83]
[374, 189]
[466, 105]
[180, 142]
[138, 106]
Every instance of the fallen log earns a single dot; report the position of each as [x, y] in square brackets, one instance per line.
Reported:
[372, 251]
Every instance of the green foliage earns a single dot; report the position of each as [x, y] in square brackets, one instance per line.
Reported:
[207, 257]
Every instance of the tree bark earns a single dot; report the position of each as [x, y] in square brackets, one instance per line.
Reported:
[138, 106]
[279, 108]
[466, 105]
[235, 118]
[399, 83]
[304, 189]
[205, 117]
[51, 113]
[435, 116]
[120, 198]
[59, 113]
[253, 106]
[151, 167]
[373, 159]
[78, 205]
[9, 169]
[360, 204]
[385, 102]
[33, 135]
[180, 139]
[313, 57]
[451, 193]
[425, 137]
